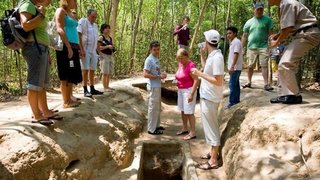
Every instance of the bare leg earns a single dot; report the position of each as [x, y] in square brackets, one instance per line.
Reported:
[33, 101]
[42, 103]
[250, 73]
[184, 121]
[65, 92]
[91, 77]
[214, 155]
[107, 80]
[85, 77]
[265, 75]
[192, 123]
[104, 81]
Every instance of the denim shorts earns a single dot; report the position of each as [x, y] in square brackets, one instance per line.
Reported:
[90, 61]
[38, 66]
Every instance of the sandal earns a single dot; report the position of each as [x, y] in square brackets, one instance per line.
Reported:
[206, 166]
[182, 133]
[189, 137]
[156, 132]
[55, 117]
[45, 122]
[160, 128]
[248, 85]
[206, 156]
[71, 104]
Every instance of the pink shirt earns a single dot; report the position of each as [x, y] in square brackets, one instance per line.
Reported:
[183, 77]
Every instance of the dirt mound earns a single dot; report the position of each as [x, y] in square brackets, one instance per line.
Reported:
[271, 141]
[91, 142]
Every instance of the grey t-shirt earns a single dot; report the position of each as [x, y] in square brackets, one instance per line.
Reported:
[152, 64]
[295, 14]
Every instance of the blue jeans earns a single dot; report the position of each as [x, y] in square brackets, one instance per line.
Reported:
[234, 86]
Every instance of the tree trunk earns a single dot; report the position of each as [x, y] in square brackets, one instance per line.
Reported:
[227, 25]
[155, 22]
[196, 30]
[134, 37]
[113, 20]
[108, 12]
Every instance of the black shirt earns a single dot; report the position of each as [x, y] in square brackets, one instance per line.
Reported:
[106, 42]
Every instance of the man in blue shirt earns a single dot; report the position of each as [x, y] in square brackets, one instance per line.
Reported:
[152, 71]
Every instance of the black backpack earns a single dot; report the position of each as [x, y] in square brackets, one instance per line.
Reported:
[13, 35]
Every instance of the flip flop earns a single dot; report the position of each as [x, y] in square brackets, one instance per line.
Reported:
[206, 156]
[248, 85]
[45, 122]
[188, 137]
[55, 117]
[206, 166]
[52, 110]
[156, 132]
[182, 133]
[160, 128]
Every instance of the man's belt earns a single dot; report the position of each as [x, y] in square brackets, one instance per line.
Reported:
[305, 28]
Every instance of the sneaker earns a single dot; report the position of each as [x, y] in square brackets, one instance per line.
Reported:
[96, 92]
[268, 87]
[288, 99]
[87, 94]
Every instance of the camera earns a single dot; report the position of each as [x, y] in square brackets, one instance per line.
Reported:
[202, 45]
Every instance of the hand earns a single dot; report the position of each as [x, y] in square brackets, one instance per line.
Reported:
[231, 70]
[82, 54]
[41, 10]
[109, 47]
[273, 36]
[203, 51]
[195, 71]
[70, 53]
[190, 98]
[273, 43]
[163, 75]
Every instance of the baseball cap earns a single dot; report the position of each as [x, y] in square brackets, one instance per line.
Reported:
[258, 5]
[212, 36]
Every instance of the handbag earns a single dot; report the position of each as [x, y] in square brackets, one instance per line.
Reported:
[55, 39]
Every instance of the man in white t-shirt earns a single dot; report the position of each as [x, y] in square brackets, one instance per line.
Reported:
[211, 94]
[88, 33]
[234, 65]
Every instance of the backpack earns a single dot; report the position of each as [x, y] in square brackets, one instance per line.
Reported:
[13, 35]
[55, 39]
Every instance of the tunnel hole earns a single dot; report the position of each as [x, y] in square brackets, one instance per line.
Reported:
[72, 165]
[168, 92]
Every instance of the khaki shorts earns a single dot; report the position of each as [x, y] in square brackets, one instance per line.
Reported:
[254, 55]
[106, 64]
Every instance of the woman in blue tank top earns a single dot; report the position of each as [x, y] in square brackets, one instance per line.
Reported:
[68, 60]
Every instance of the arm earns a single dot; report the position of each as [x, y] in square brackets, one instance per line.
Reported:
[59, 18]
[195, 85]
[284, 33]
[216, 79]
[244, 39]
[234, 61]
[202, 57]
[146, 74]
[28, 22]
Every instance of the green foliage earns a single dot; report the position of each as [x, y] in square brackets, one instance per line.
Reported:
[155, 24]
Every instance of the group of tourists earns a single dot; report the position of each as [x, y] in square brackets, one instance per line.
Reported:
[296, 21]
[76, 62]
